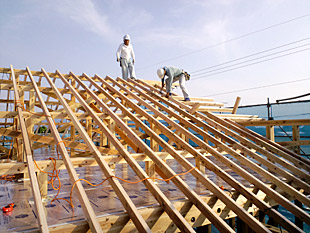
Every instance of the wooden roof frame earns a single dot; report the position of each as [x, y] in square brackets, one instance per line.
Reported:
[106, 110]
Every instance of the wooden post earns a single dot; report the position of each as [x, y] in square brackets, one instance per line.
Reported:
[270, 132]
[149, 165]
[111, 146]
[240, 226]
[204, 229]
[31, 104]
[150, 168]
[103, 140]
[296, 138]
[42, 179]
[272, 221]
[234, 111]
[72, 129]
[18, 150]
[200, 166]
[89, 127]
[111, 125]
[232, 223]
[72, 138]
[262, 216]
[298, 221]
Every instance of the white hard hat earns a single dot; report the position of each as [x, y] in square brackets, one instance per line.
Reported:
[126, 37]
[161, 73]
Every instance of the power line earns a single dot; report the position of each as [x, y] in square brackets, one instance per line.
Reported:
[227, 41]
[251, 55]
[259, 87]
[254, 59]
[251, 64]
[292, 98]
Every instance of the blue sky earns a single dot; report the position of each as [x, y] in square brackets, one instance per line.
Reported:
[83, 36]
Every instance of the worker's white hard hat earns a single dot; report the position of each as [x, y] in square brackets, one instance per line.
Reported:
[126, 37]
[161, 73]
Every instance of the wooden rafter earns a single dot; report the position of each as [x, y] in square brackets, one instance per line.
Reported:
[116, 121]
[127, 203]
[88, 210]
[33, 178]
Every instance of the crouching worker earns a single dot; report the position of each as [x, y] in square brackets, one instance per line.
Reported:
[172, 75]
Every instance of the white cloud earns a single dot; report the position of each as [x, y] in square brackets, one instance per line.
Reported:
[85, 13]
[197, 37]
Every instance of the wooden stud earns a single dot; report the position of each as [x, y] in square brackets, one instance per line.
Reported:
[236, 105]
[296, 138]
[270, 133]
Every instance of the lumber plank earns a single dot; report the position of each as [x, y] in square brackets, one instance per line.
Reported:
[87, 209]
[294, 209]
[278, 122]
[29, 158]
[167, 147]
[117, 187]
[236, 105]
[173, 213]
[47, 165]
[50, 141]
[196, 139]
[196, 199]
[118, 222]
[272, 146]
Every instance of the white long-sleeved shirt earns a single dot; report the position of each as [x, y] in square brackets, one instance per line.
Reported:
[125, 51]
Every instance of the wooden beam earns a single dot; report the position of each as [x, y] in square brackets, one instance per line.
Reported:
[270, 145]
[29, 158]
[278, 122]
[166, 146]
[118, 222]
[203, 145]
[50, 141]
[119, 190]
[47, 165]
[227, 161]
[270, 132]
[173, 213]
[296, 138]
[236, 105]
[88, 210]
[293, 143]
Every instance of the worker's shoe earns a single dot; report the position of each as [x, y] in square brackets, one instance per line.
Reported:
[187, 99]
[133, 78]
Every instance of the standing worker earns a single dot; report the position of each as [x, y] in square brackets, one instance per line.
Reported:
[173, 74]
[126, 57]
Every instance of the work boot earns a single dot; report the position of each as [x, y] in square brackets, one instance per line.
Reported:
[187, 99]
